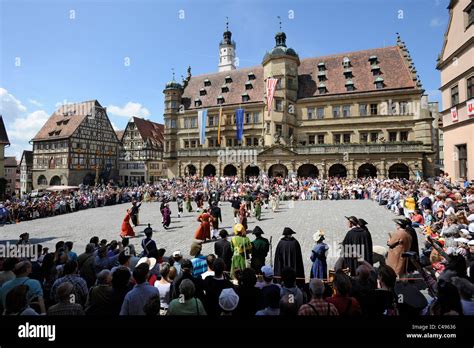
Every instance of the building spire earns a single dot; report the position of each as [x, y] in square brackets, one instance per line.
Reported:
[227, 24]
[172, 71]
[279, 19]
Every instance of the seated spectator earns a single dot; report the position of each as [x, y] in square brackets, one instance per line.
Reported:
[35, 291]
[317, 306]
[228, 300]
[288, 279]
[344, 304]
[186, 304]
[136, 298]
[17, 302]
[80, 290]
[66, 305]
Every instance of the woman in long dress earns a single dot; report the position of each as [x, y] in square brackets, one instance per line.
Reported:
[318, 257]
[241, 247]
[166, 212]
[204, 230]
[127, 230]
[243, 215]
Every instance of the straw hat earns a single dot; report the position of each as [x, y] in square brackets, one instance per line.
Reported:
[151, 261]
[317, 235]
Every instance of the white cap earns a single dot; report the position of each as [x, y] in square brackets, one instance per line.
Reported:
[228, 299]
[177, 253]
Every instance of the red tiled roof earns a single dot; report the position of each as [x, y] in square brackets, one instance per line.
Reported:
[149, 130]
[393, 67]
[64, 121]
[119, 134]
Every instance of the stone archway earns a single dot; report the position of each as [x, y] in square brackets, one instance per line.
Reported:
[252, 170]
[399, 171]
[367, 170]
[55, 181]
[209, 170]
[230, 170]
[278, 170]
[190, 170]
[308, 170]
[337, 170]
[42, 181]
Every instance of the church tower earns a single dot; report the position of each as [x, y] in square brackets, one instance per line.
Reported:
[227, 51]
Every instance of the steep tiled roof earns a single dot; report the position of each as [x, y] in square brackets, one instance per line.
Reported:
[10, 161]
[64, 121]
[393, 67]
[28, 156]
[149, 130]
[3, 133]
[119, 134]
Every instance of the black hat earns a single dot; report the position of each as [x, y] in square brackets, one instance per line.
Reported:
[362, 222]
[353, 220]
[287, 231]
[223, 233]
[403, 223]
[148, 230]
[257, 231]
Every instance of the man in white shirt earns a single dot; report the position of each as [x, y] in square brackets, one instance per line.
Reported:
[210, 266]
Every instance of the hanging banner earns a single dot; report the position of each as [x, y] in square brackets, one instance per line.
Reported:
[271, 85]
[454, 114]
[470, 108]
[239, 122]
[202, 117]
[219, 127]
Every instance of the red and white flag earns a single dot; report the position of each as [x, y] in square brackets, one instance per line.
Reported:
[271, 84]
[454, 114]
[470, 107]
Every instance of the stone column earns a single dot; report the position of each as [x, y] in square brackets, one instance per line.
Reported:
[323, 169]
[383, 168]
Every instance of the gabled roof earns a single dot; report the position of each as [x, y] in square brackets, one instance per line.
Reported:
[65, 120]
[27, 156]
[3, 133]
[10, 161]
[119, 134]
[390, 60]
[149, 131]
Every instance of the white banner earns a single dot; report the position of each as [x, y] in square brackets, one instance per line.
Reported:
[454, 114]
[470, 107]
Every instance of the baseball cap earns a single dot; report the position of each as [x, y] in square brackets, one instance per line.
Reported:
[267, 271]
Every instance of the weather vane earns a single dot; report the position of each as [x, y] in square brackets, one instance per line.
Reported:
[280, 21]
[227, 23]
[172, 71]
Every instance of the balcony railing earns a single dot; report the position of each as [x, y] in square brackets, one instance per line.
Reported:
[315, 149]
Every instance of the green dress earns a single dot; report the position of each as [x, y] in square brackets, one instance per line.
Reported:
[258, 209]
[237, 245]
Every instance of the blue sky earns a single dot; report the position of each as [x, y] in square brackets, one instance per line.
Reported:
[122, 52]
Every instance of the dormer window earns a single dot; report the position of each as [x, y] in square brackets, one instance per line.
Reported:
[202, 91]
[207, 83]
[197, 102]
[350, 85]
[225, 89]
[228, 79]
[248, 85]
[346, 63]
[373, 60]
[245, 97]
[322, 66]
[220, 100]
[251, 75]
[322, 88]
[347, 73]
[379, 83]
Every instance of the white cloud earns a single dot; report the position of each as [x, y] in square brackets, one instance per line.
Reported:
[10, 107]
[35, 103]
[25, 128]
[128, 110]
[114, 126]
[436, 22]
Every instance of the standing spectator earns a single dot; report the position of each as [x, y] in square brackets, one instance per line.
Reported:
[260, 248]
[198, 260]
[228, 301]
[210, 259]
[223, 249]
[344, 304]
[136, 299]
[164, 285]
[66, 305]
[86, 264]
[288, 279]
[213, 286]
[80, 290]
[7, 273]
[17, 302]
[99, 297]
[250, 297]
[186, 304]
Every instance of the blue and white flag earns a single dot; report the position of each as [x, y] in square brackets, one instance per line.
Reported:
[239, 121]
[202, 117]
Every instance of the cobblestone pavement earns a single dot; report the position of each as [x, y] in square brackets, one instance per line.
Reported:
[304, 217]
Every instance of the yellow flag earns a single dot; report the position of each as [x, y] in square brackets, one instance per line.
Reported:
[219, 127]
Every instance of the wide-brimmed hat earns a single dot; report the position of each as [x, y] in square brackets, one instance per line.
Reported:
[352, 219]
[288, 231]
[317, 235]
[151, 261]
[228, 299]
[239, 229]
[403, 223]
[196, 248]
[257, 231]
[362, 222]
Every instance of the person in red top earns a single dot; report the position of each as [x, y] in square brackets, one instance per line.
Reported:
[127, 230]
[417, 219]
[204, 230]
[345, 305]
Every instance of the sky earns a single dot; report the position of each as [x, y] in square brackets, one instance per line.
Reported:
[122, 52]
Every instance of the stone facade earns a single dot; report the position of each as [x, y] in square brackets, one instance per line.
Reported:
[356, 114]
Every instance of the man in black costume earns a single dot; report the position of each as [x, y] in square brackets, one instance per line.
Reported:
[357, 245]
[288, 254]
[134, 212]
[223, 249]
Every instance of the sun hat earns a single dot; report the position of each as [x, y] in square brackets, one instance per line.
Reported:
[317, 235]
[151, 261]
[228, 299]
[177, 253]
